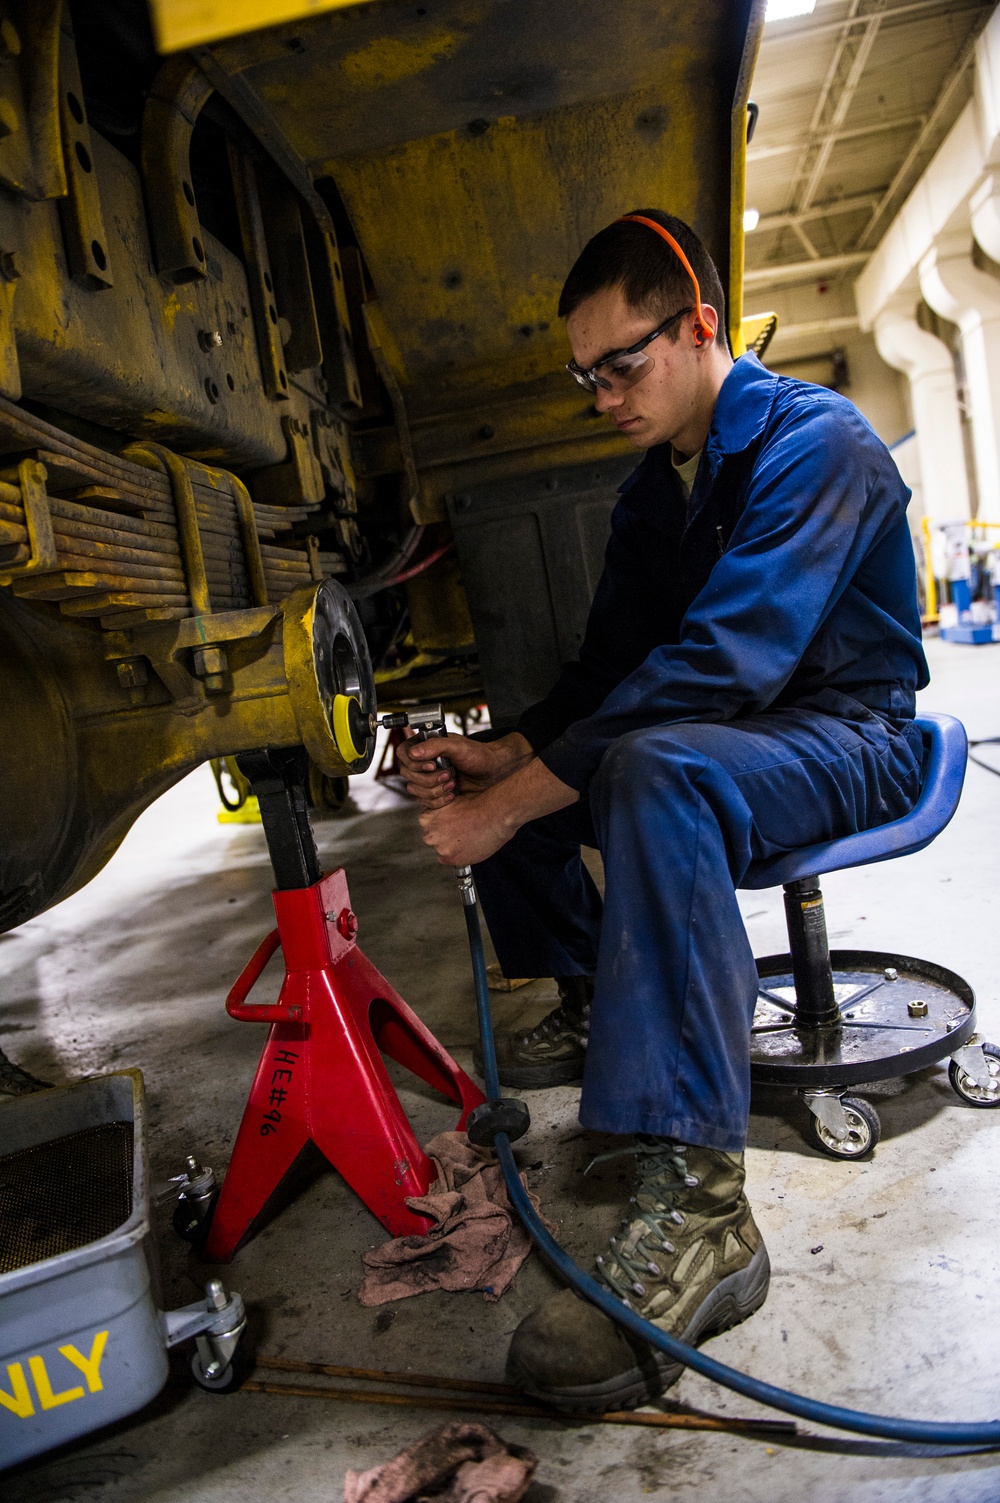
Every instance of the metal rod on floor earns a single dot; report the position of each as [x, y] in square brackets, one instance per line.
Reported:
[377, 1375]
[522, 1407]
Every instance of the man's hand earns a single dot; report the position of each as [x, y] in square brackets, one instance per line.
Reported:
[468, 829]
[478, 765]
[474, 826]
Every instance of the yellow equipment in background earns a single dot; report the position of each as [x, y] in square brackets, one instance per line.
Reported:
[239, 805]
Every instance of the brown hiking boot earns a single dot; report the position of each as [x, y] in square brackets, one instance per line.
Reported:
[691, 1260]
[553, 1052]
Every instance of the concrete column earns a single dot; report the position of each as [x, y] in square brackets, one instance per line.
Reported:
[984, 210]
[970, 298]
[928, 365]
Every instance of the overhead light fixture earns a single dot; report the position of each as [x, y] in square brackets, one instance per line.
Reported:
[784, 10]
[751, 219]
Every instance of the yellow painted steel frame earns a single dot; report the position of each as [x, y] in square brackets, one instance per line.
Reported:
[84, 761]
[461, 154]
[188, 23]
[475, 148]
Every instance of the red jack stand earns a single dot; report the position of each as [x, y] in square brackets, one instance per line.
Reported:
[321, 1077]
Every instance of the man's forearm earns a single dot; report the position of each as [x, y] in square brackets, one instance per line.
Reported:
[530, 792]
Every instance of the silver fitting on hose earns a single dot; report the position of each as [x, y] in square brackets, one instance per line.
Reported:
[466, 886]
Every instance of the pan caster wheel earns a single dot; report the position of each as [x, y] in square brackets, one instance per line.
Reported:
[974, 1073]
[845, 1127]
[192, 1221]
[230, 1378]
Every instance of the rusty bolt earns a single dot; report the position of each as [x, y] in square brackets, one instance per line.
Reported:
[917, 1008]
[347, 923]
[210, 339]
[132, 673]
[210, 665]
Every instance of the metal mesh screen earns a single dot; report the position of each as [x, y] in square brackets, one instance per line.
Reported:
[64, 1194]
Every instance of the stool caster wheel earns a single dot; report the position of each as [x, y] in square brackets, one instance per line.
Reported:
[845, 1127]
[974, 1073]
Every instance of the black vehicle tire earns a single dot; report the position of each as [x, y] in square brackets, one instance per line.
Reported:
[327, 794]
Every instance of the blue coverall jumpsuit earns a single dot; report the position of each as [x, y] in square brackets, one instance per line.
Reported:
[746, 686]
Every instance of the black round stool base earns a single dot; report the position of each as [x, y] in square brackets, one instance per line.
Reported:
[884, 1030]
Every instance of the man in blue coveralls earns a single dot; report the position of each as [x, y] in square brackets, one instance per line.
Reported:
[745, 686]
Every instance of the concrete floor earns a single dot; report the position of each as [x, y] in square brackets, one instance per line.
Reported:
[884, 1292]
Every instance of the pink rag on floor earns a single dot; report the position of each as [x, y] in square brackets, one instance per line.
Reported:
[476, 1243]
[460, 1463]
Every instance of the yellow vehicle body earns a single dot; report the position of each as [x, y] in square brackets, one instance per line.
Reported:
[271, 303]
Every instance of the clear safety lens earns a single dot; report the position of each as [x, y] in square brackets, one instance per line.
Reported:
[615, 374]
[626, 370]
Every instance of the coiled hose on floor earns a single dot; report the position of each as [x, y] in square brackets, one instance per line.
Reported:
[921, 1432]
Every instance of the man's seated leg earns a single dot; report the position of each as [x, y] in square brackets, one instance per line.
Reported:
[544, 916]
[680, 812]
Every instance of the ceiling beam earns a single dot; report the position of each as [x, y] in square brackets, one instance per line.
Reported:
[855, 132]
[803, 238]
[799, 271]
[814, 328]
[855, 204]
[836, 97]
[917, 10]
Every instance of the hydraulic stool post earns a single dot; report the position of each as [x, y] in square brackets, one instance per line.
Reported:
[815, 1001]
[321, 1076]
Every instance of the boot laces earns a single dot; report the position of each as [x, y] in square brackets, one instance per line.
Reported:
[663, 1176]
[559, 1021]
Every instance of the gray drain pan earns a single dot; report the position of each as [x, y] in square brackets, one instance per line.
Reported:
[82, 1340]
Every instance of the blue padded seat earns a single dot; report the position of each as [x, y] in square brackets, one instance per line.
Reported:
[945, 755]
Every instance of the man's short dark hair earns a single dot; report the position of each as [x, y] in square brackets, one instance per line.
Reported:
[640, 262]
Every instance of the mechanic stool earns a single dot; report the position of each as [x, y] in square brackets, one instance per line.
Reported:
[827, 1021]
[321, 1076]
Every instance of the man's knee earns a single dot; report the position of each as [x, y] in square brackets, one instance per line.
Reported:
[642, 761]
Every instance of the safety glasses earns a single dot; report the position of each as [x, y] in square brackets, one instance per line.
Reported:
[622, 368]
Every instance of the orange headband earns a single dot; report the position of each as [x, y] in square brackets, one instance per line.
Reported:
[651, 224]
